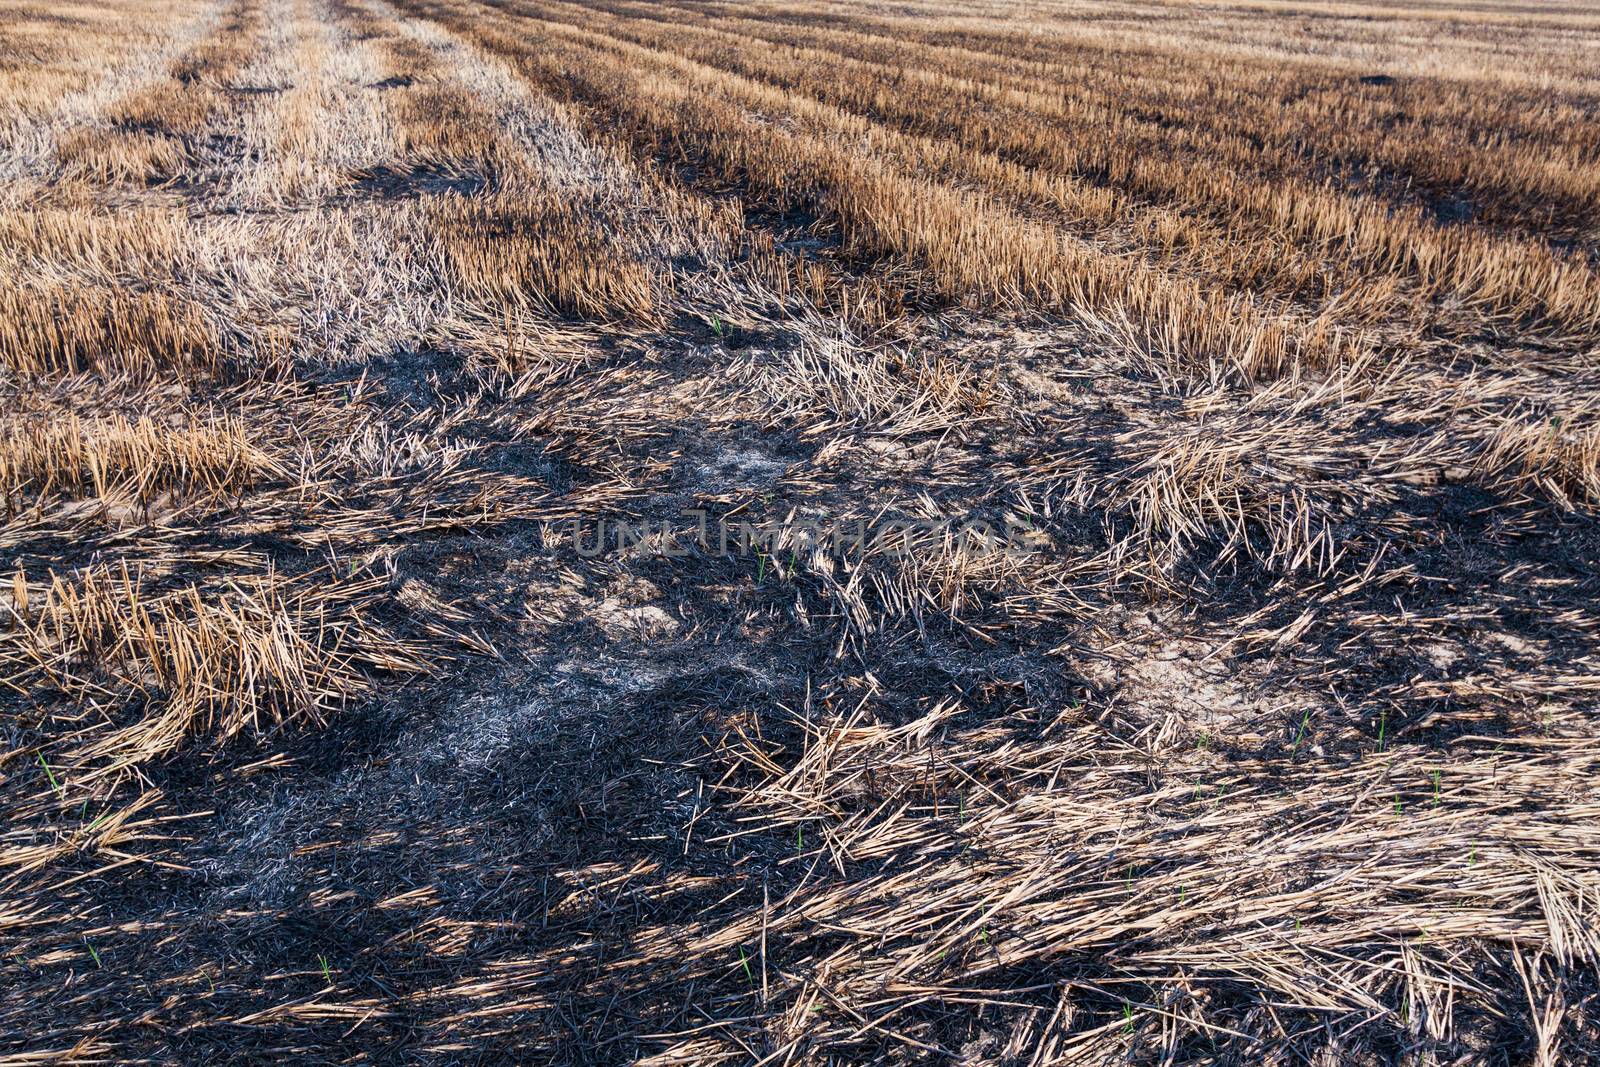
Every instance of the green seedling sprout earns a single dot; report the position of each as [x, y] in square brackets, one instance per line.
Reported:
[50, 774]
[1301, 736]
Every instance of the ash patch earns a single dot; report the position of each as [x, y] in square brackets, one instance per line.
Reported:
[1160, 672]
[385, 183]
[507, 776]
[738, 467]
[631, 609]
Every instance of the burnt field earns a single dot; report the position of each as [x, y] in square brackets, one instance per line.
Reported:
[413, 418]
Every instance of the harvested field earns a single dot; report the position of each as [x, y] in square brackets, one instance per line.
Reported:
[683, 532]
